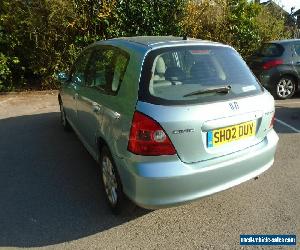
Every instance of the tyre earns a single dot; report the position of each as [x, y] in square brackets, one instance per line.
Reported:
[63, 119]
[285, 88]
[112, 185]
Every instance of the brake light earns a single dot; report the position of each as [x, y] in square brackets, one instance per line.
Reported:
[271, 64]
[148, 138]
[272, 121]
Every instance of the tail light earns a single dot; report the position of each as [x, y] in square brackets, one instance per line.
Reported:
[272, 121]
[148, 138]
[272, 64]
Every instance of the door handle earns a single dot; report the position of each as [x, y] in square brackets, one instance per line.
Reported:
[96, 107]
[114, 114]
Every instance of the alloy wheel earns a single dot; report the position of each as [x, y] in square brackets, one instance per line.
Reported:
[109, 180]
[285, 88]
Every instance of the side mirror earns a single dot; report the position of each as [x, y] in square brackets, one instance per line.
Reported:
[62, 77]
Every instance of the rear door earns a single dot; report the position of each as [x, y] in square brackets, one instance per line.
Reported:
[103, 78]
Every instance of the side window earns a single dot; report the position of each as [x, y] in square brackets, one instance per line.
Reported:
[106, 69]
[78, 70]
[297, 49]
[119, 69]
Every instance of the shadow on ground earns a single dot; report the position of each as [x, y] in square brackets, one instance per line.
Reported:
[49, 185]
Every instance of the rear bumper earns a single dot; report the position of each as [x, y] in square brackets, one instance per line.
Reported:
[172, 182]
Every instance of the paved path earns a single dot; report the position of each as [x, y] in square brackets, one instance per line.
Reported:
[50, 195]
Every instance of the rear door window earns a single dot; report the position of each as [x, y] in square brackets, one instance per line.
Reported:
[106, 69]
[297, 48]
[79, 67]
[271, 50]
[173, 74]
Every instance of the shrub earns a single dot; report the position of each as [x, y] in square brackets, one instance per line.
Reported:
[6, 77]
[240, 23]
[39, 38]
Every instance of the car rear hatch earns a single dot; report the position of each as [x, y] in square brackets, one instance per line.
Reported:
[205, 99]
[269, 52]
[190, 127]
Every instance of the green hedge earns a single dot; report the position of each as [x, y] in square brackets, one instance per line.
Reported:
[40, 37]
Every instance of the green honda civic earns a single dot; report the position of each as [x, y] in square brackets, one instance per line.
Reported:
[168, 119]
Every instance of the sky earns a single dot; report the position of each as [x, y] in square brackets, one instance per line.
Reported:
[288, 4]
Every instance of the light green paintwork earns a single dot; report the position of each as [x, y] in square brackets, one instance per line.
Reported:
[195, 171]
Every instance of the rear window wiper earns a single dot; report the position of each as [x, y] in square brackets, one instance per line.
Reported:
[219, 90]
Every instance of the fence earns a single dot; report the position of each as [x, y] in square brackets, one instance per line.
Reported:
[297, 33]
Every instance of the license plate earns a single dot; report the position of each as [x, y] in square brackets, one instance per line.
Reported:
[222, 136]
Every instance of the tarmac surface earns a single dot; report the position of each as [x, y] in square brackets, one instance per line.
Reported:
[50, 196]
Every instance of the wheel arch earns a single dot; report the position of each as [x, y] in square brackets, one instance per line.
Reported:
[59, 99]
[101, 142]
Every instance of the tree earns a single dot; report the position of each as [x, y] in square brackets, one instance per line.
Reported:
[149, 17]
[38, 33]
[38, 38]
[47, 35]
[240, 23]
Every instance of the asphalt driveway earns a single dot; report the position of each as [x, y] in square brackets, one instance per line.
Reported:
[50, 194]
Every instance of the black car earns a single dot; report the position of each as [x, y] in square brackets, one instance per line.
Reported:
[277, 66]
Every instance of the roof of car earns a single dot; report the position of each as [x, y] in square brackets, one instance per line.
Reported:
[158, 41]
[285, 41]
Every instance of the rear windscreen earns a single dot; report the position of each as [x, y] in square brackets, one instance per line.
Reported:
[271, 50]
[195, 74]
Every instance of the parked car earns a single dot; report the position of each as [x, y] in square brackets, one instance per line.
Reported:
[277, 65]
[168, 120]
